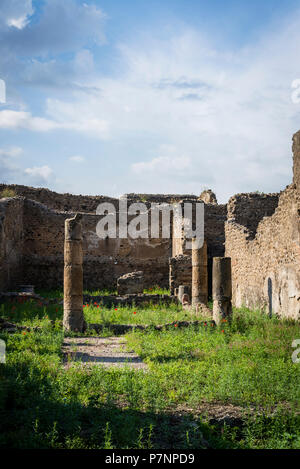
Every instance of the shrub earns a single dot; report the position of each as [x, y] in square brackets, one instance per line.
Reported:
[8, 193]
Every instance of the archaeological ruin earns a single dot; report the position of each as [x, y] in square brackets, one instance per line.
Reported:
[258, 233]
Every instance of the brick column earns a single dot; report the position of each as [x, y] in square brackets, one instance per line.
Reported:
[222, 289]
[199, 273]
[73, 276]
[171, 276]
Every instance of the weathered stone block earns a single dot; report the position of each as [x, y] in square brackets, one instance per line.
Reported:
[208, 197]
[182, 291]
[132, 282]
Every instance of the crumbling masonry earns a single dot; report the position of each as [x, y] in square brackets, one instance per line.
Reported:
[259, 232]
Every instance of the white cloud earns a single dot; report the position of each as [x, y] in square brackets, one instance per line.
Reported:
[24, 120]
[77, 158]
[80, 123]
[11, 152]
[2, 92]
[8, 167]
[11, 169]
[39, 172]
[162, 164]
[55, 52]
[18, 23]
[61, 27]
[86, 117]
[15, 13]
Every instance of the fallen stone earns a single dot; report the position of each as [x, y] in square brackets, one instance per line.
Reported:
[132, 282]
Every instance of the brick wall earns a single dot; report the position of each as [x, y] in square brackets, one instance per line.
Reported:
[249, 209]
[180, 272]
[215, 217]
[104, 260]
[266, 260]
[11, 241]
[85, 203]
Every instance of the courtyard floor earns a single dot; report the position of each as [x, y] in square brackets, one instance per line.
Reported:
[233, 386]
[103, 351]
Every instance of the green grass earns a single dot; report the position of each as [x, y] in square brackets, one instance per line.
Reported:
[146, 314]
[24, 313]
[157, 291]
[246, 363]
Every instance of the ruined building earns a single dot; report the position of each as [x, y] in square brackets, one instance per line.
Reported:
[259, 232]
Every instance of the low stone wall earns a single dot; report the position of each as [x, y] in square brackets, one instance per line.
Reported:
[105, 300]
[129, 300]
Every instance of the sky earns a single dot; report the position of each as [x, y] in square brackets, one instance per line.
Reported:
[112, 97]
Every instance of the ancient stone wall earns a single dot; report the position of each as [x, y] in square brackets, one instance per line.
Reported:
[85, 203]
[215, 217]
[266, 260]
[104, 260]
[11, 241]
[180, 272]
[56, 201]
[214, 232]
[249, 209]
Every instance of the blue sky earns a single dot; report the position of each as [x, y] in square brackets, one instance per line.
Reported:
[110, 97]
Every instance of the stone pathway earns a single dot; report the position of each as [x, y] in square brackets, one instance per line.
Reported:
[104, 351]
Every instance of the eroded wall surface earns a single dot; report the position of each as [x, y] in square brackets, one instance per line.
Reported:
[61, 202]
[266, 254]
[104, 259]
[11, 241]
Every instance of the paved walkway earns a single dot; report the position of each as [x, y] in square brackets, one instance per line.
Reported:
[105, 351]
